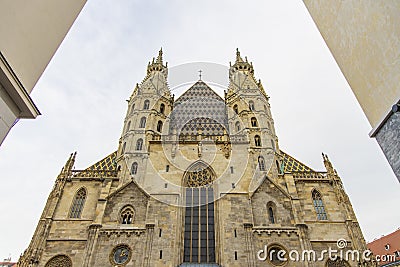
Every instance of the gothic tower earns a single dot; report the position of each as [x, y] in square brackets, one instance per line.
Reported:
[146, 119]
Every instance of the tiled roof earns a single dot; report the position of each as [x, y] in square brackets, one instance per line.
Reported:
[107, 163]
[293, 165]
[386, 245]
[199, 108]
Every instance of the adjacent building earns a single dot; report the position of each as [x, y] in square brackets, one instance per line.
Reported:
[196, 181]
[364, 38]
[387, 249]
[30, 33]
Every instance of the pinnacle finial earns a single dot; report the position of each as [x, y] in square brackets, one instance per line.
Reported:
[160, 56]
[238, 57]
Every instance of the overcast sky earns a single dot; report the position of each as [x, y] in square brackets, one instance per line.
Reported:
[82, 97]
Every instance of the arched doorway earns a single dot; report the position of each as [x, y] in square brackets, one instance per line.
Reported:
[199, 221]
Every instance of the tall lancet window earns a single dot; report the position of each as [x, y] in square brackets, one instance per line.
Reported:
[146, 104]
[261, 163]
[319, 205]
[78, 203]
[142, 122]
[251, 105]
[199, 236]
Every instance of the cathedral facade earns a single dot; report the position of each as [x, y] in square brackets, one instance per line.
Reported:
[196, 181]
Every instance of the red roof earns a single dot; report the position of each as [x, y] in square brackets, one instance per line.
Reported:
[386, 245]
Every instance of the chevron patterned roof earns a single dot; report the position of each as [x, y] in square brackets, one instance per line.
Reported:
[293, 165]
[107, 163]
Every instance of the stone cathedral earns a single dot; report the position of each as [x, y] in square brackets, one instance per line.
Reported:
[196, 181]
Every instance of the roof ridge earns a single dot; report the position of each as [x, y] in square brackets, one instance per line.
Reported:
[193, 87]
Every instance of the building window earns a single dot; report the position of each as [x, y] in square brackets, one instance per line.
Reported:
[133, 108]
[251, 105]
[159, 126]
[126, 216]
[146, 104]
[275, 253]
[271, 215]
[199, 232]
[319, 205]
[162, 108]
[254, 122]
[142, 122]
[261, 163]
[123, 148]
[231, 169]
[236, 256]
[167, 168]
[59, 261]
[78, 203]
[387, 247]
[278, 167]
[257, 140]
[273, 145]
[269, 125]
[134, 168]
[199, 237]
[237, 126]
[139, 144]
[235, 108]
[128, 127]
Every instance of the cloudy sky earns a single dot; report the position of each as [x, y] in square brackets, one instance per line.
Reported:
[82, 97]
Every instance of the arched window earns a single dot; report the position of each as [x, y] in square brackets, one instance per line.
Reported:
[278, 167]
[319, 205]
[59, 261]
[126, 215]
[134, 168]
[261, 163]
[159, 126]
[273, 145]
[237, 126]
[271, 215]
[251, 105]
[162, 108]
[254, 122]
[133, 108]
[269, 125]
[142, 122]
[235, 108]
[199, 226]
[139, 144]
[146, 104]
[257, 140]
[265, 109]
[78, 203]
[128, 127]
[123, 148]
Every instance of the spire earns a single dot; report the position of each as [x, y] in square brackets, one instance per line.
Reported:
[156, 64]
[66, 170]
[238, 57]
[241, 65]
[328, 165]
[160, 58]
